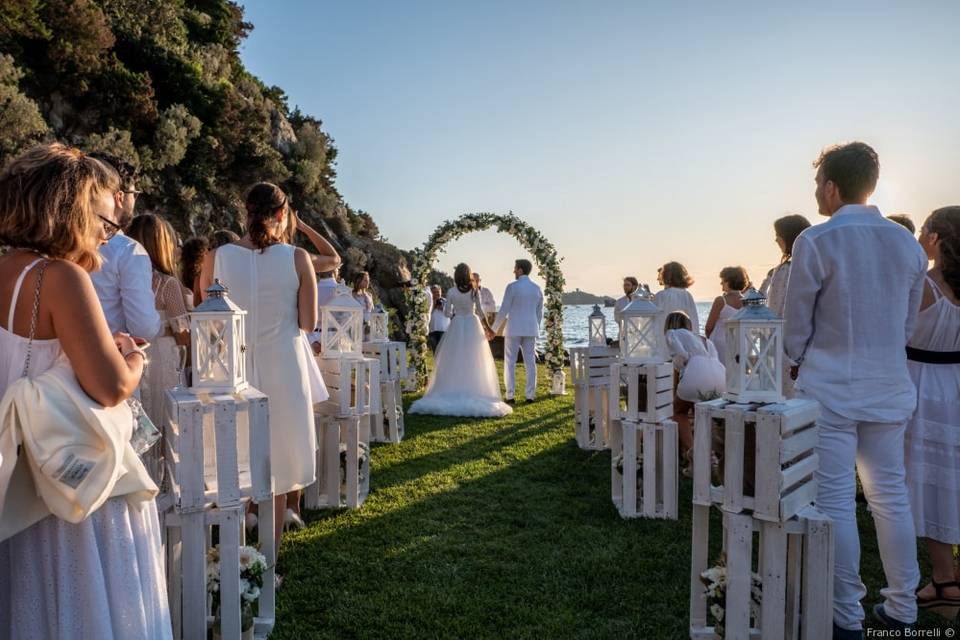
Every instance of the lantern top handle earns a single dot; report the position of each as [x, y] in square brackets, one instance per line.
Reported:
[596, 312]
[216, 300]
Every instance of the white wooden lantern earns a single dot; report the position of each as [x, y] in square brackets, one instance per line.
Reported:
[379, 324]
[597, 327]
[640, 335]
[341, 326]
[754, 355]
[218, 343]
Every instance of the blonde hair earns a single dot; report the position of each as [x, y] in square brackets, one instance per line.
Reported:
[47, 203]
[158, 238]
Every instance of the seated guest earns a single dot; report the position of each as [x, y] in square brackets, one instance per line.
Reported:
[774, 285]
[700, 375]
[630, 286]
[933, 433]
[124, 278]
[157, 236]
[675, 280]
[103, 576]
[733, 282]
[904, 221]
[438, 319]
[488, 304]
[191, 259]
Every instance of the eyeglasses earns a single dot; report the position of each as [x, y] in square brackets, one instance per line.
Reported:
[110, 228]
[133, 192]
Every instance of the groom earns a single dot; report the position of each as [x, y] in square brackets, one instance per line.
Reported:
[522, 312]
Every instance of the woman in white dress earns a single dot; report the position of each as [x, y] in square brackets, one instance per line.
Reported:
[733, 281]
[932, 439]
[102, 577]
[275, 283]
[464, 380]
[774, 286]
[676, 281]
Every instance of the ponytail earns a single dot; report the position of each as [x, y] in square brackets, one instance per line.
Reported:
[263, 201]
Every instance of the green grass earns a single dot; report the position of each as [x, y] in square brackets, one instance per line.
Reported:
[489, 529]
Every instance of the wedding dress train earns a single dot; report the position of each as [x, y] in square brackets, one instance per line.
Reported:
[464, 380]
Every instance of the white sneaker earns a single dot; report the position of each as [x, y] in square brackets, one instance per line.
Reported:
[292, 521]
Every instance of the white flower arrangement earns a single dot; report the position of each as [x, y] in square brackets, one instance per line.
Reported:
[715, 583]
[252, 565]
[544, 254]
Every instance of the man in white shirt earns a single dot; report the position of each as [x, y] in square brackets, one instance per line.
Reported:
[124, 282]
[488, 303]
[852, 300]
[630, 286]
[438, 318]
[326, 287]
[522, 313]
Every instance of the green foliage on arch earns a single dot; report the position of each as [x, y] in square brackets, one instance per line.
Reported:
[544, 255]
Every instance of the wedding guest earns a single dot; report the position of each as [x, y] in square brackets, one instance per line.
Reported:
[101, 577]
[157, 236]
[123, 280]
[191, 259]
[733, 281]
[774, 286]
[852, 299]
[675, 280]
[274, 282]
[438, 319]
[933, 433]
[361, 293]
[488, 304]
[630, 287]
[700, 375]
[904, 221]
[326, 286]
[221, 237]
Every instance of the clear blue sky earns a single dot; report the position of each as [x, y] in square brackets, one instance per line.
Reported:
[630, 133]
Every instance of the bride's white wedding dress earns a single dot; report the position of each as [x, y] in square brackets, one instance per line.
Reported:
[464, 381]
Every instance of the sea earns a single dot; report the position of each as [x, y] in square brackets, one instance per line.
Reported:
[575, 322]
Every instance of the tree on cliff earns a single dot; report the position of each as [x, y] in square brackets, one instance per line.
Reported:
[160, 83]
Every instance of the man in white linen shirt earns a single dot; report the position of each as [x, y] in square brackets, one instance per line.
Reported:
[630, 286]
[488, 304]
[124, 282]
[852, 300]
[326, 287]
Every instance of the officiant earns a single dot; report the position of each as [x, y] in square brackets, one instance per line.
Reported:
[488, 304]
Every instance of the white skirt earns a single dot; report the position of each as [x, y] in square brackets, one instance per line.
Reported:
[101, 578]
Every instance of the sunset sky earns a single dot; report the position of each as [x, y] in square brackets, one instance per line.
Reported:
[629, 133]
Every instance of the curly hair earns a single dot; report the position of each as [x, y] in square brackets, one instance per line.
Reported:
[675, 274]
[945, 222]
[47, 202]
[854, 167]
[264, 200]
[735, 277]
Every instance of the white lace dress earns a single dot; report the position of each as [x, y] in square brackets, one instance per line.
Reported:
[101, 578]
[464, 380]
[933, 434]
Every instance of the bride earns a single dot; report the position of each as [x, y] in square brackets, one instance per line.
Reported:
[464, 381]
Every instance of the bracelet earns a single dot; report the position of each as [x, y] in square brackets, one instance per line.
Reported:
[139, 352]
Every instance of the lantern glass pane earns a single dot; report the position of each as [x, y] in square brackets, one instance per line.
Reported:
[761, 361]
[213, 352]
[732, 357]
[598, 332]
[239, 368]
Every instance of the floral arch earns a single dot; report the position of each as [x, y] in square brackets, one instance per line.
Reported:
[544, 255]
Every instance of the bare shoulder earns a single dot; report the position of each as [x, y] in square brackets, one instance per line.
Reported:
[65, 274]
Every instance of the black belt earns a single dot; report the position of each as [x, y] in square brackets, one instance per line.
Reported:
[933, 357]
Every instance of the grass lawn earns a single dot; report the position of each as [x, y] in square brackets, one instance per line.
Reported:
[490, 529]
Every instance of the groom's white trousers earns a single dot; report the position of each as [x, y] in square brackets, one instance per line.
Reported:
[511, 347]
[874, 450]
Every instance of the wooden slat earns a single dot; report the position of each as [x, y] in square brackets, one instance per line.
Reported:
[796, 412]
[817, 588]
[616, 449]
[792, 613]
[773, 574]
[194, 575]
[630, 442]
[702, 445]
[798, 443]
[734, 439]
[669, 477]
[699, 550]
[739, 544]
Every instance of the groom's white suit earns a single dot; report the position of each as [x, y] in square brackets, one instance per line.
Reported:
[522, 312]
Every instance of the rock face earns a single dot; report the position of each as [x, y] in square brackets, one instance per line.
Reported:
[582, 297]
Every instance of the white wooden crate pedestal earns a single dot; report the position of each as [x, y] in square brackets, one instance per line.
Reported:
[643, 468]
[795, 564]
[649, 392]
[784, 464]
[387, 425]
[218, 459]
[590, 374]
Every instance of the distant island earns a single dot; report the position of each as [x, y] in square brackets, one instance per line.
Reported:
[582, 297]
